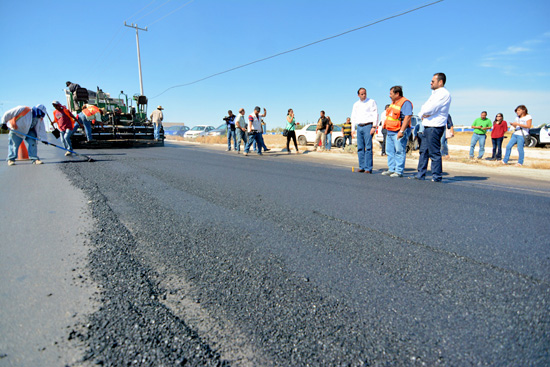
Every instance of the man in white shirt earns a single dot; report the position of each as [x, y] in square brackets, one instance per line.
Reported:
[255, 130]
[434, 114]
[364, 117]
[240, 126]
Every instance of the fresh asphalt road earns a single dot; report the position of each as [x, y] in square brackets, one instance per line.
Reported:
[294, 260]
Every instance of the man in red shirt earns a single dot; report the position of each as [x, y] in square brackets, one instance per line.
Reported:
[497, 135]
[65, 123]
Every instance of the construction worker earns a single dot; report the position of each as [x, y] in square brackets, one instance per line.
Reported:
[90, 115]
[156, 118]
[29, 121]
[72, 88]
[65, 123]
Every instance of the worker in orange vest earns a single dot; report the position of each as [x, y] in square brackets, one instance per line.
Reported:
[90, 115]
[398, 121]
[28, 121]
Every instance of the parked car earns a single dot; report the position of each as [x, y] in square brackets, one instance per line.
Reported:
[176, 130]
[219, 131]
[411, 145]
[199, 130]
[539, 136]
[306, 135]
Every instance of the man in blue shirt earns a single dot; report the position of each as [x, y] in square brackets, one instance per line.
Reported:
[398, 120]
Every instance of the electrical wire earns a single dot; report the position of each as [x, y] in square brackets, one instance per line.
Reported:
[172, 12]
[142, 9]
[301, 47]
[154, 10]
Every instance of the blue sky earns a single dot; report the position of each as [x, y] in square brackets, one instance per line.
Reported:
[495, 54]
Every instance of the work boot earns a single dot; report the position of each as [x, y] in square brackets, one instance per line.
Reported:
[67, 154]
[395, 174]
[37, 161]
[387, 173]
[11, 163]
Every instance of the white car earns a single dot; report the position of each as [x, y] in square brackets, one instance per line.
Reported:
[199, 130]
[411, 145]
[539, 136]
[306, 135]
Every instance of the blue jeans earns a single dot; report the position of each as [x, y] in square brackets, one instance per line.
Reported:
[231, 134]
[156, 132]
[66, 139]
[260, 142]
[477, 138]
[444, 146]
[497, 148]
[85, 125]
[430, 148]
[241, 135]
[520, 141]
[396, 149]
[16, 140]
[346, 137]
[364, 147]
[328, 141]
[252, 140]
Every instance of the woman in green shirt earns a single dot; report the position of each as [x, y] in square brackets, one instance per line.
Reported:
[291, 127]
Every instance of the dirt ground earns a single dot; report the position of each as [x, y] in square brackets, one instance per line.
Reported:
[536, 162]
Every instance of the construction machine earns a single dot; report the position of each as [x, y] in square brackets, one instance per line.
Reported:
[123, 123]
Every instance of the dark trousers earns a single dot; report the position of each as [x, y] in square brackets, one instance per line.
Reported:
[346, 138]
[430, 148]
[291, 135]
[497, 148]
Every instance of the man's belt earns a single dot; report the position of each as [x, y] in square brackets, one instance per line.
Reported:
[367, 124]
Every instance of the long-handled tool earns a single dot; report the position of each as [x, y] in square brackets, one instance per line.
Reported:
[90, 159]
[55, 132]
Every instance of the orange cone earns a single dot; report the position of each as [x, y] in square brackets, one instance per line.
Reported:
[22, 153]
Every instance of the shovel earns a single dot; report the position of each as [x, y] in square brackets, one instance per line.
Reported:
[90, 159]
[55, 132]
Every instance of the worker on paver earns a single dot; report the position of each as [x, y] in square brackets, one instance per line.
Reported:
[29, 121]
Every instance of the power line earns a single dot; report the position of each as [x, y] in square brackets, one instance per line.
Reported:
[142, 9]
[154, 10]
[301, 47]
[172, 12]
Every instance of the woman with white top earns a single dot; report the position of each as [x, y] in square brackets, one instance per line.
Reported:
[522, 126]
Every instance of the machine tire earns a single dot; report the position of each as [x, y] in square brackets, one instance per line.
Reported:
[302, 140]
[339, 142]
[531, 141]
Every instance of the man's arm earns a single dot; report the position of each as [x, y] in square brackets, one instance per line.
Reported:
[433, 104]
[265, 113]
[406, 123]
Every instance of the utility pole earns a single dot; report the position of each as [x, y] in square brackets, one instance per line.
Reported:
[139, 57]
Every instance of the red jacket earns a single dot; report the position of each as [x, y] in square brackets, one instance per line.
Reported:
[65, 120]
[499, 130]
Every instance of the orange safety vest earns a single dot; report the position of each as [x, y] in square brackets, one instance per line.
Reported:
[393, 115]
[13, 121]
[91, 110]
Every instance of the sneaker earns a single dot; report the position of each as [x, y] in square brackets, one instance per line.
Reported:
[228, 150]
[11, 163]
[38, 161]
[387, 173]
[434, 180]
[395, 174]
[67, 154]
[361, 170]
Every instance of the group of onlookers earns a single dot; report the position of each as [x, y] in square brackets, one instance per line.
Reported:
[251, 133]
[499, 128]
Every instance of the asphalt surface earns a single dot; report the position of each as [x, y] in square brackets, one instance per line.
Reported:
[206, 257]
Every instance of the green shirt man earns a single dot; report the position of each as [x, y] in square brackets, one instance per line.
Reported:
[482, 124]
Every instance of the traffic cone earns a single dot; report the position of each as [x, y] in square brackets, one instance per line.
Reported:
[22, 153]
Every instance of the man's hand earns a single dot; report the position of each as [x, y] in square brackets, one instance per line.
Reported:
[45, 142]
[400, 134]
[372, 131]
